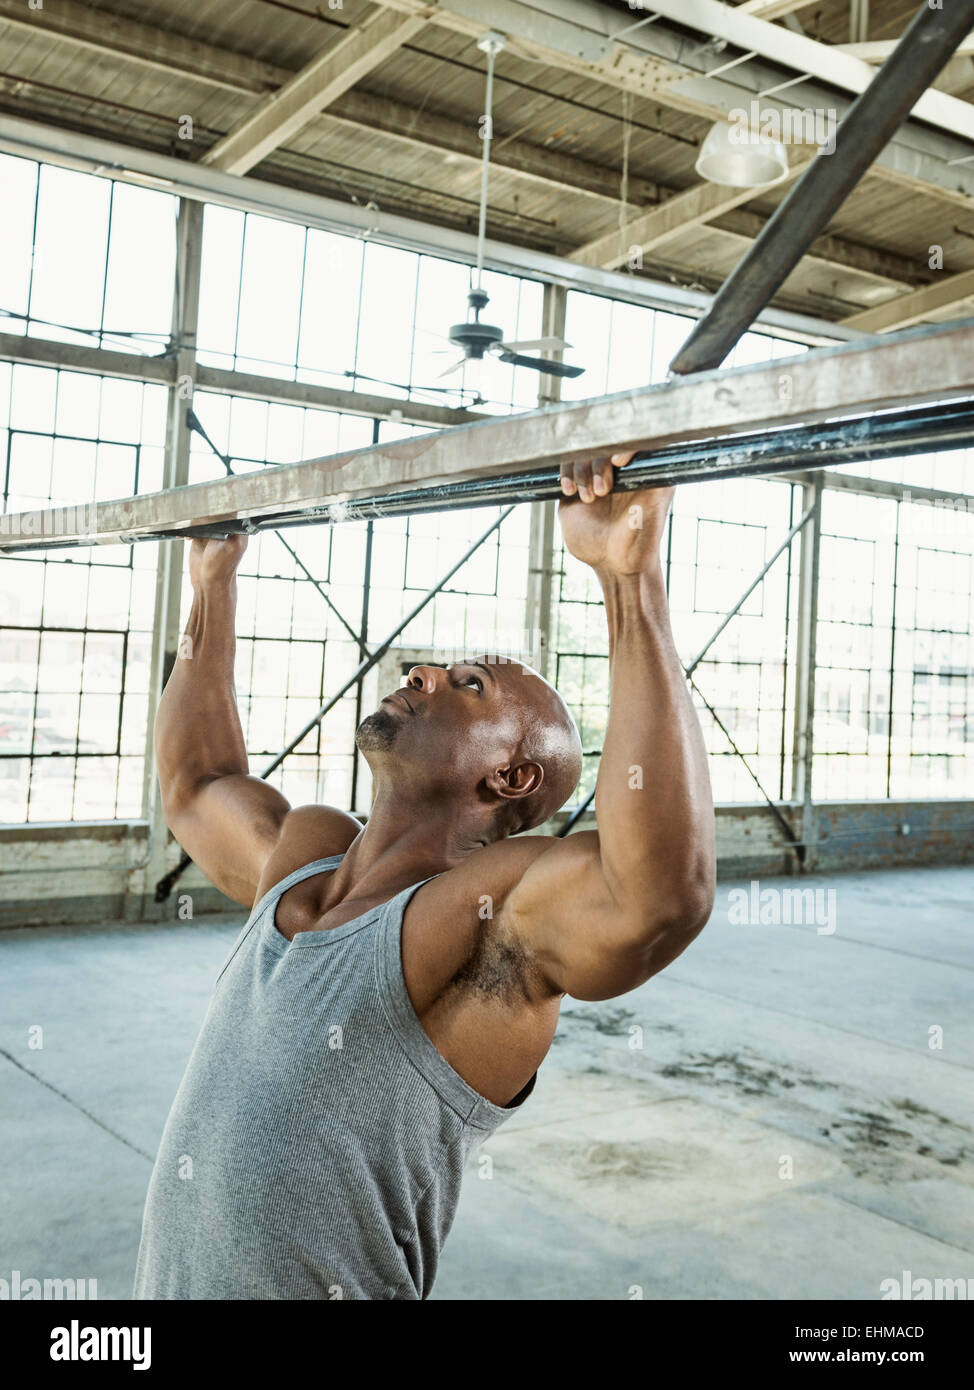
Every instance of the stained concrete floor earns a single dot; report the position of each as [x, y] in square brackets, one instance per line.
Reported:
[775, 1116]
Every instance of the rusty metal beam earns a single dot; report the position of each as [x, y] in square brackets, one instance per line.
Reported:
[904, 370]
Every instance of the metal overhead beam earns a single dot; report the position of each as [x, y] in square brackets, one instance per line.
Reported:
[78, 357]
[883, 268]
[878, 50]
[651, 60]
[908, 309]
[308, 393]
[337, 68]
[447, 468]
[946, 499]
[803, 55]
[771, 454]
[583, 31]
[691, 208]
[160, 50]
[773, 9]
[166, 51]
[48, 352]
[91, 154]
[146, 44]
[921, 53]
[660, 64]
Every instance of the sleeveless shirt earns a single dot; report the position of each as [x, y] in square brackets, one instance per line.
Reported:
[317, 1141]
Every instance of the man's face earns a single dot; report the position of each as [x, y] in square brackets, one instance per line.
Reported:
[477, 735]
[451, 723]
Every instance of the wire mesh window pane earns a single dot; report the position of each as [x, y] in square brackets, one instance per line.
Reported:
[77, 624]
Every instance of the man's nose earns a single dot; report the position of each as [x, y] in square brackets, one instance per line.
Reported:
[425, 678]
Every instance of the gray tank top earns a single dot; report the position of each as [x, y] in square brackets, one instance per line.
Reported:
[317, 1141]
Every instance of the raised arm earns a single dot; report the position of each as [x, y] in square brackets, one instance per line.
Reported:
[228, 822]
[602, 911]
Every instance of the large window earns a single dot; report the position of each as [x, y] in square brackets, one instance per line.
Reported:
[91, 262]
[85, 260]
[895, 606]
[290, 301]
[300, 614]
[894, 691]
[76, 625]
[720, 537]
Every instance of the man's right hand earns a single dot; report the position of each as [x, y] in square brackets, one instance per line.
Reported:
[214, 560]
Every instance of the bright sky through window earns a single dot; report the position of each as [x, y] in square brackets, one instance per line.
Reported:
[89, 261]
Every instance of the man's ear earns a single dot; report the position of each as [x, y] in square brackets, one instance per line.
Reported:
[515, 781]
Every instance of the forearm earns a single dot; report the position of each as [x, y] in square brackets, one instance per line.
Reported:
[197, 730]
[654, 804]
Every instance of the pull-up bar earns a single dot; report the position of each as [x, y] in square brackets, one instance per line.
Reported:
[894, 434]
[809, 411]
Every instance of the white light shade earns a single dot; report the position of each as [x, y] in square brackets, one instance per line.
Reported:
[740, 157]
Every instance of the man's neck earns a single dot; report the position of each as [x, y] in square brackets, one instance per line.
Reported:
[406, 840]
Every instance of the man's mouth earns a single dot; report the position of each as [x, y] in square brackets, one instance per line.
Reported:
[398, 695]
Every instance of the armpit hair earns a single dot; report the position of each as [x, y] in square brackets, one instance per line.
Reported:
[498, 968]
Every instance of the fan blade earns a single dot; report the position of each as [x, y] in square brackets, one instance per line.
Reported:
[540, 365]
[428, 333]
[453, 367]
[535, 345]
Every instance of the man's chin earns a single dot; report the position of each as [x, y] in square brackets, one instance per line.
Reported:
[376, 732]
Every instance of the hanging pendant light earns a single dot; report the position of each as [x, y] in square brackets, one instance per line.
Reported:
[739, 157]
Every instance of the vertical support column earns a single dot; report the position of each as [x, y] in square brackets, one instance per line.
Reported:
[541, 546]
[169, 575]
[803, 747]
[858, 21]
[363, 636]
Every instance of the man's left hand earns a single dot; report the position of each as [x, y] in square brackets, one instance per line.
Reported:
[617, 533]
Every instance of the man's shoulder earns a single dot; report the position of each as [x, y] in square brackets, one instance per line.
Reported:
[493, 870]
[338, 827]
[308, 833]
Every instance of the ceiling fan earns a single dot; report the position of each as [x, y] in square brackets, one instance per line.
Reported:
[474, 338]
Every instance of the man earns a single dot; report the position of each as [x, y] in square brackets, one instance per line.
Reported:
[396, 988]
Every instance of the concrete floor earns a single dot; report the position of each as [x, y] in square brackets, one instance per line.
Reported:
[654, 1156]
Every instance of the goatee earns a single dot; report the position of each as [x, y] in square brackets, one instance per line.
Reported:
[376, 732]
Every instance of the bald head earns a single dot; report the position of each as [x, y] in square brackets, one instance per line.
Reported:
[548, 737]
[488, 741]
